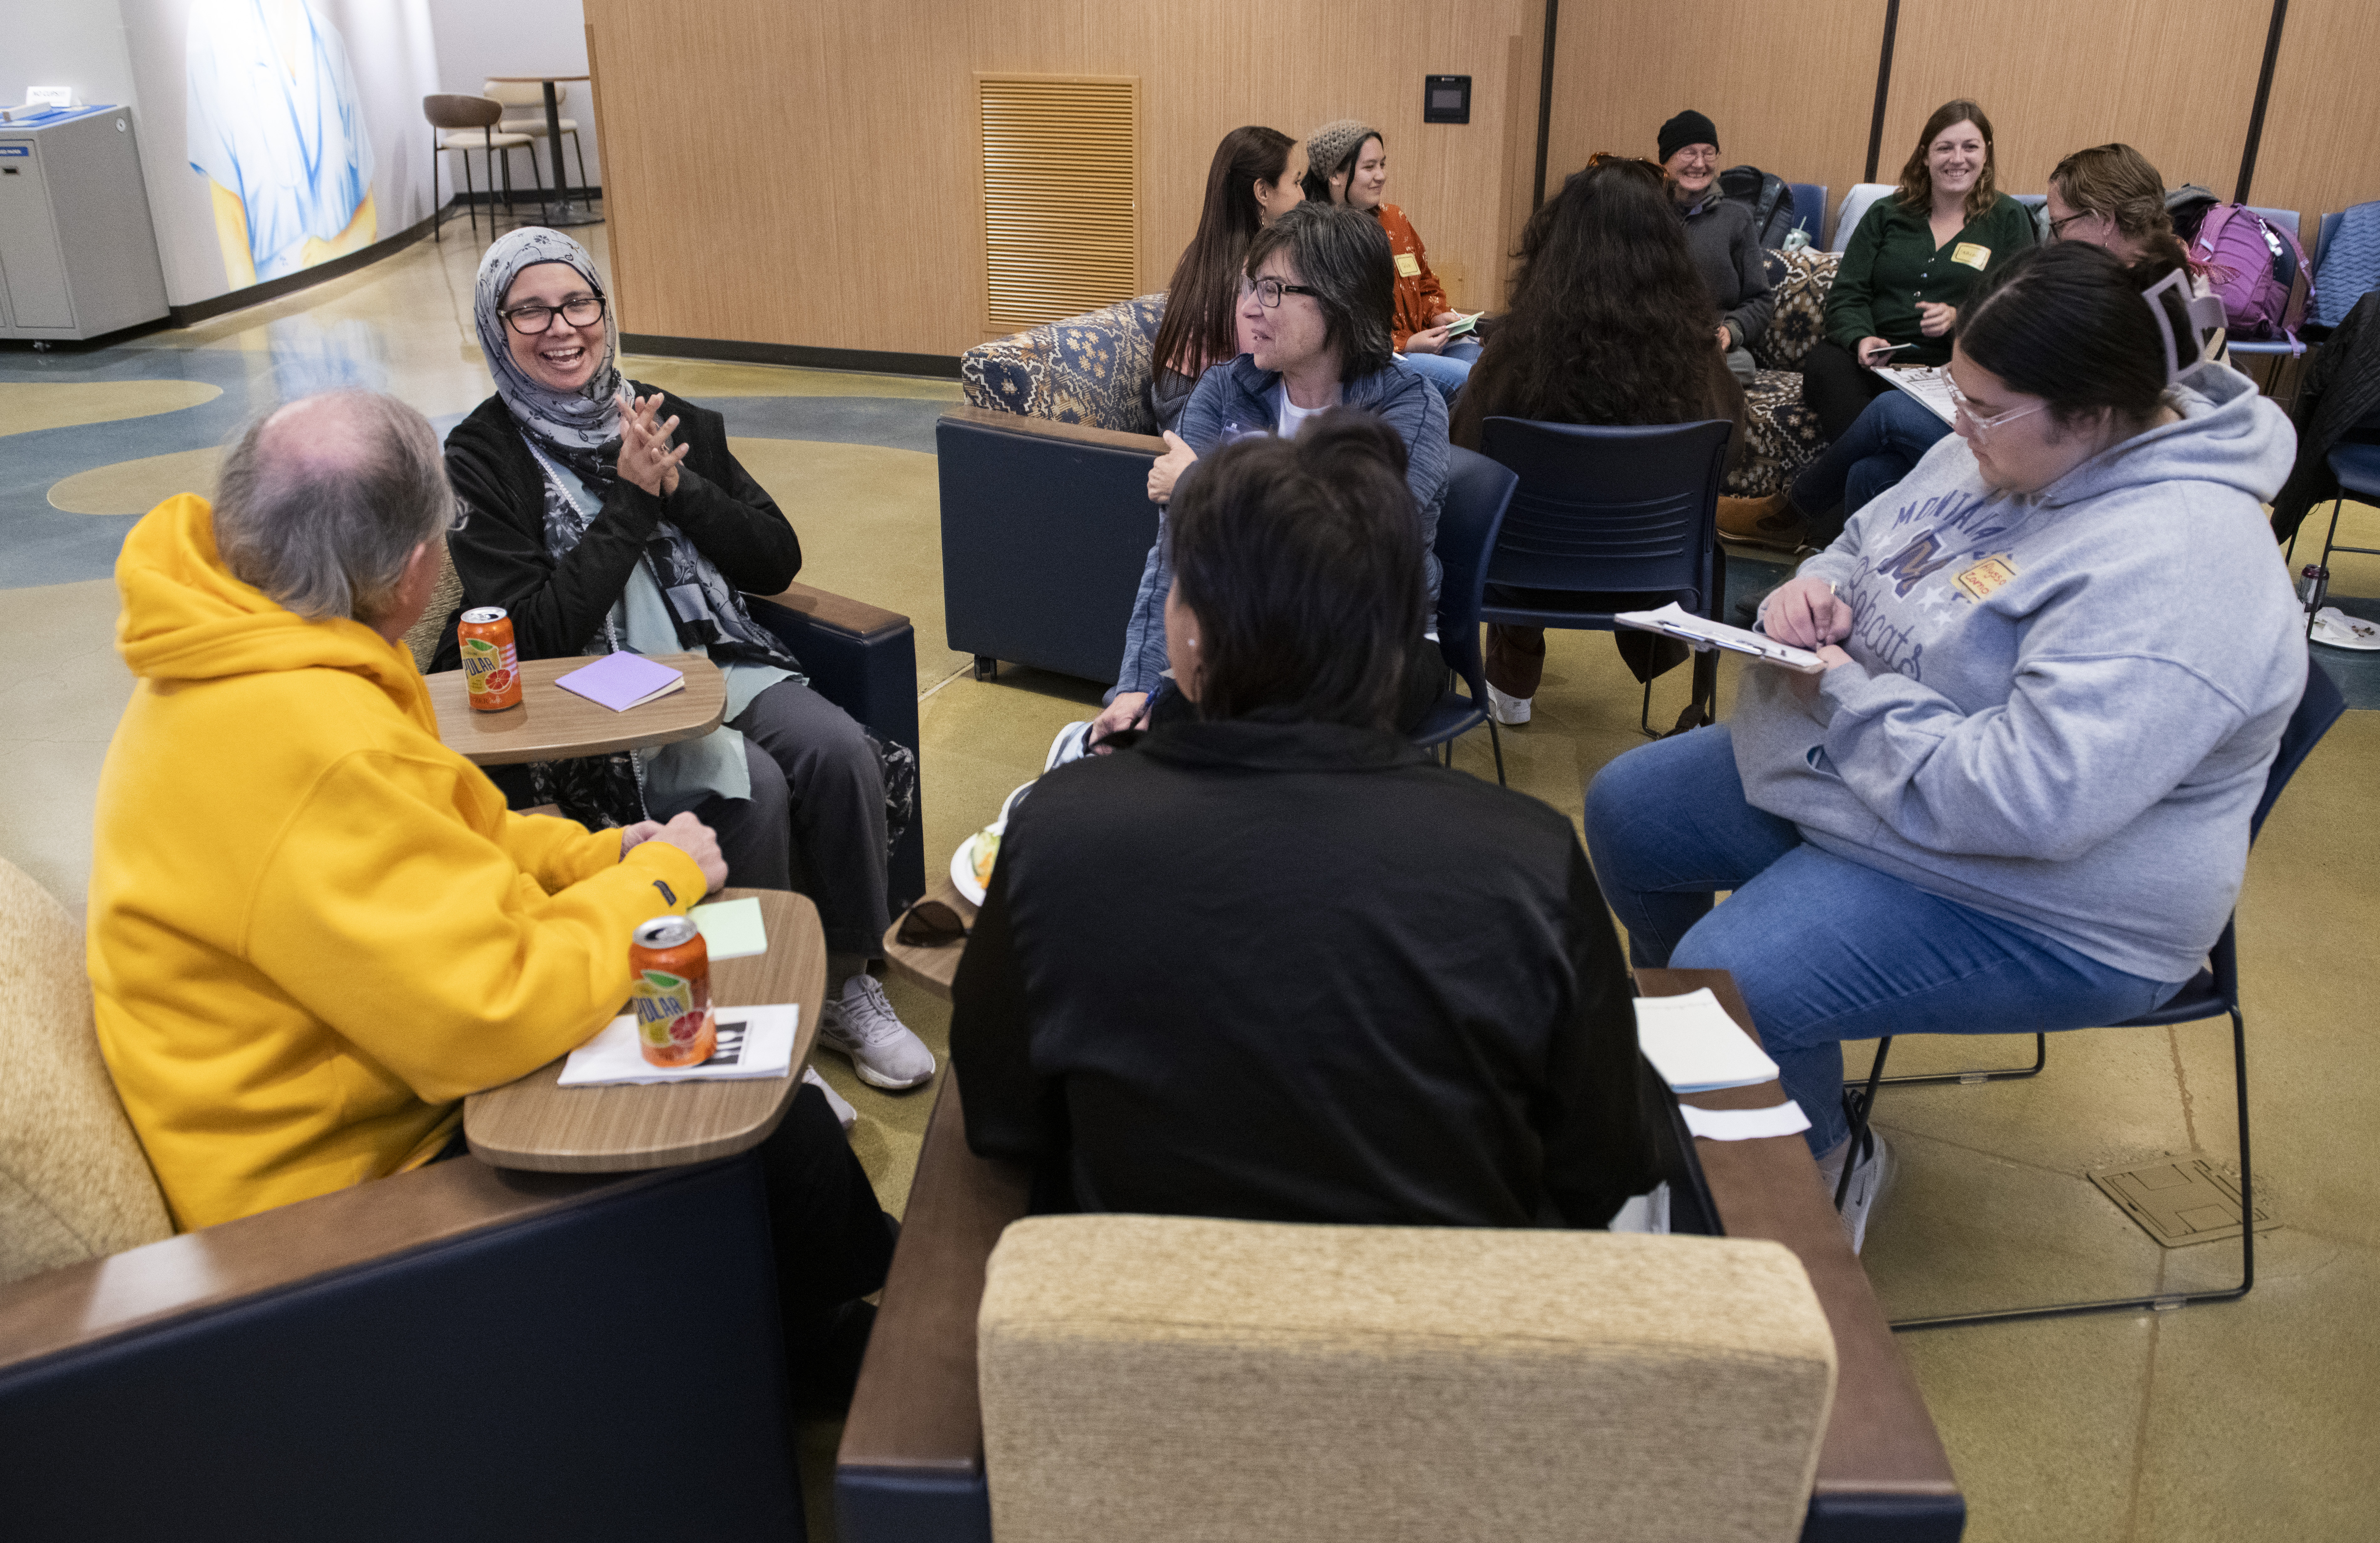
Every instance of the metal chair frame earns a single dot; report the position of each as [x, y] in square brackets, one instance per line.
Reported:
[472, 192]
[2213, 990]
[2350, 475]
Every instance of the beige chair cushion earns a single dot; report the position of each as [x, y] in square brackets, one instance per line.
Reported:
[74, 1183]
[423, 636]
[471, 139]
[535, 127]
[1180, 1379]
[523, 93]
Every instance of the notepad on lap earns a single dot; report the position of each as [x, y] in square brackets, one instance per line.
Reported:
[623, 680]
[753, 1042]
[731, 929]
[1674, 621]
[1695, 1047]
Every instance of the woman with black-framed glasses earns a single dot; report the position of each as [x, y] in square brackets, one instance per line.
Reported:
[1315, 312]
[602, 516]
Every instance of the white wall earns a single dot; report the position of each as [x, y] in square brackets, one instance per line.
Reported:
[477, 38]
[67, 42]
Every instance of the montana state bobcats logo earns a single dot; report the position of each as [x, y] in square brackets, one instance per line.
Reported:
[1909, 567]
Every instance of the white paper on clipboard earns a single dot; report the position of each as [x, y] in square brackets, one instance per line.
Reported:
[1928, 383]
[1675, 620]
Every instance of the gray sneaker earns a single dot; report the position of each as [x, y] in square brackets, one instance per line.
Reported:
[1869, 1180]
[864, 1027]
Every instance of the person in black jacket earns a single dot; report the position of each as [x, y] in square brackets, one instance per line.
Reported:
[1272, 962]
[596, 532]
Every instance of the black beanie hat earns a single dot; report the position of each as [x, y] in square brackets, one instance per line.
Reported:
[1688, 127]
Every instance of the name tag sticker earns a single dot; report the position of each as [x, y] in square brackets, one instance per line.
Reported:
[1408, 265]
[1977, 582]
[1971, 254]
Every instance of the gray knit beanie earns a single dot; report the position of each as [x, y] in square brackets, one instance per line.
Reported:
[1334, 143]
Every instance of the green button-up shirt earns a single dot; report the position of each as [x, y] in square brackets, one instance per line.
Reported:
[1891, 264]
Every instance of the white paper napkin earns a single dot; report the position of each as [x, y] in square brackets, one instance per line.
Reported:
[753, 1042]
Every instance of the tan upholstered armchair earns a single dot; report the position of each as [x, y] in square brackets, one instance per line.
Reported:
[453, 1349]
[1148, 1378]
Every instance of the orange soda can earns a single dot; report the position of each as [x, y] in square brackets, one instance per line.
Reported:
[491, 664]
[669, 990]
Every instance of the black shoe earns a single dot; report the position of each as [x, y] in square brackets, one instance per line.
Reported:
[824, 1372]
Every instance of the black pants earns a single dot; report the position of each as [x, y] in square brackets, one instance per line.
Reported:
[1837, 387]
[815, 821]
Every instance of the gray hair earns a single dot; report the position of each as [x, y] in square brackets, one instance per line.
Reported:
[1343, 255]
[326, 525]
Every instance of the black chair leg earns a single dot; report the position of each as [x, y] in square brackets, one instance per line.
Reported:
[471, 198]
[578, 150]
[1860, 1104]
[1496, 741]
[1992, 1074]
[2329, 541]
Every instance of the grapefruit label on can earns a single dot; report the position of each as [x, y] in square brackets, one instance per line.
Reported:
[667, 1015]
[487, 668]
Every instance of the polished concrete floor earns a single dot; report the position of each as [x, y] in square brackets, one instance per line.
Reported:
[2259, 1418]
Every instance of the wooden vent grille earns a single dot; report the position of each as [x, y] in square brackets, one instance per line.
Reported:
[1061, 221]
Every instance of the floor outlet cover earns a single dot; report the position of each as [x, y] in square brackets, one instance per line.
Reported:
[2180, 1200]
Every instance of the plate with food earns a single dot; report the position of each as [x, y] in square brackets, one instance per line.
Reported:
[971, 864]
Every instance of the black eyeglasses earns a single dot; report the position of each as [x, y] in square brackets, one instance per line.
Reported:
[2057, 227]
[582, 311]
[1269, 291]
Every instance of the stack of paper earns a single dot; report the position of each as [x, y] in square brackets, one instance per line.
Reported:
[623, 680]
[1695, 1047]
[753, 1042]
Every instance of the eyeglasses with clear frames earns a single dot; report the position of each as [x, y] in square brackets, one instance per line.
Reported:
[1269, 290]
[580, 310]
[1980, 428]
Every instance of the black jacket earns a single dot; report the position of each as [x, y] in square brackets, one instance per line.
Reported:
[499, 549]
[1299, 973]
[2342, 389]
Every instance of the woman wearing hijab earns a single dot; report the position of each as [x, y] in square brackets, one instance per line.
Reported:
[601, 517]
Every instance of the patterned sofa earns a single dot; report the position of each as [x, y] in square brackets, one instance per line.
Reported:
[1046, 520]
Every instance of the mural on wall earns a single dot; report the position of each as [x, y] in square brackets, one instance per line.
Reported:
[276, 135]
[277, 126]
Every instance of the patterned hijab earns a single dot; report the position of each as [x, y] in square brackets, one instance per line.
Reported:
[579, 429]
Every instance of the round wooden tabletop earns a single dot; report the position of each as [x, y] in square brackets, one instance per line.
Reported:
[550, 724]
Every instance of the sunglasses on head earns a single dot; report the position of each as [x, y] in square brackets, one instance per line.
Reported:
[1613, 158]
[930, 924]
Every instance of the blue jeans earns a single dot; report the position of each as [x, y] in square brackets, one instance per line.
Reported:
[1823, 948]
[1446, 370]
[1890, 437]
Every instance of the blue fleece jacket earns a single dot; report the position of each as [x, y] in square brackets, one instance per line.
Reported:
[1238, 398]
[2062, 706]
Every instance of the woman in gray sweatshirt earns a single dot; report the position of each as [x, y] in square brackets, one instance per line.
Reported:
[2060, 656]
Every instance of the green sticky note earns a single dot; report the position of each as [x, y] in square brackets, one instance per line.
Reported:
[731, 929]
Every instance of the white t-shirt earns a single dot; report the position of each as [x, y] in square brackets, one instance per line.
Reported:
[1293, 418]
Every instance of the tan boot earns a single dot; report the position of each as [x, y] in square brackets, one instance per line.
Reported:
[1771, 522]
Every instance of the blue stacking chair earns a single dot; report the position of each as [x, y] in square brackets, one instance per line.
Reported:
[2288, 219]
[2212, 992]
[1810, 211]
[2355, 460]
[1609, 519]
[1478, 492]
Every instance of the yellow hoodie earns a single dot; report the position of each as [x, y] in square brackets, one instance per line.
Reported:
[314, 927]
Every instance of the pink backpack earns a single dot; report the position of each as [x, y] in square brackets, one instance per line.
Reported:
[2258, 270]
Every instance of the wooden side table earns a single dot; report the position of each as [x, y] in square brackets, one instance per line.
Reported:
[533, 1122]
[550, 724]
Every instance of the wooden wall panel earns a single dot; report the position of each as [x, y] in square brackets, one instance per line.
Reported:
[2321, 149]
[1790, 88]
[807, 174]
[2176, 79]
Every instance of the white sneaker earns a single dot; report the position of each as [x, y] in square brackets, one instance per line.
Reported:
[843, 1113]
[864, 1027]
[1869, 1181]
[1507, 711]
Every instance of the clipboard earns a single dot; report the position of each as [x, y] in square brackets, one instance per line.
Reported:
[1675, 620]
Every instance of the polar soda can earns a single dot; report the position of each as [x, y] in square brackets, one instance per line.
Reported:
[669, 991]
[490, 665]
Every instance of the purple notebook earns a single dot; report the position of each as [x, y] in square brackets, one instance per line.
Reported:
[622, 680]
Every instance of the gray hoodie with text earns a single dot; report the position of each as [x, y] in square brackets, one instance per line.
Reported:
[2063, 705]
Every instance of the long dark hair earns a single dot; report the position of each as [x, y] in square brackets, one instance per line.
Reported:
[2067, 324]
[1200, 326]
[1610, 321]
[1917, 180]
[1302, 560]
[1344, 257]
[1317, 181]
